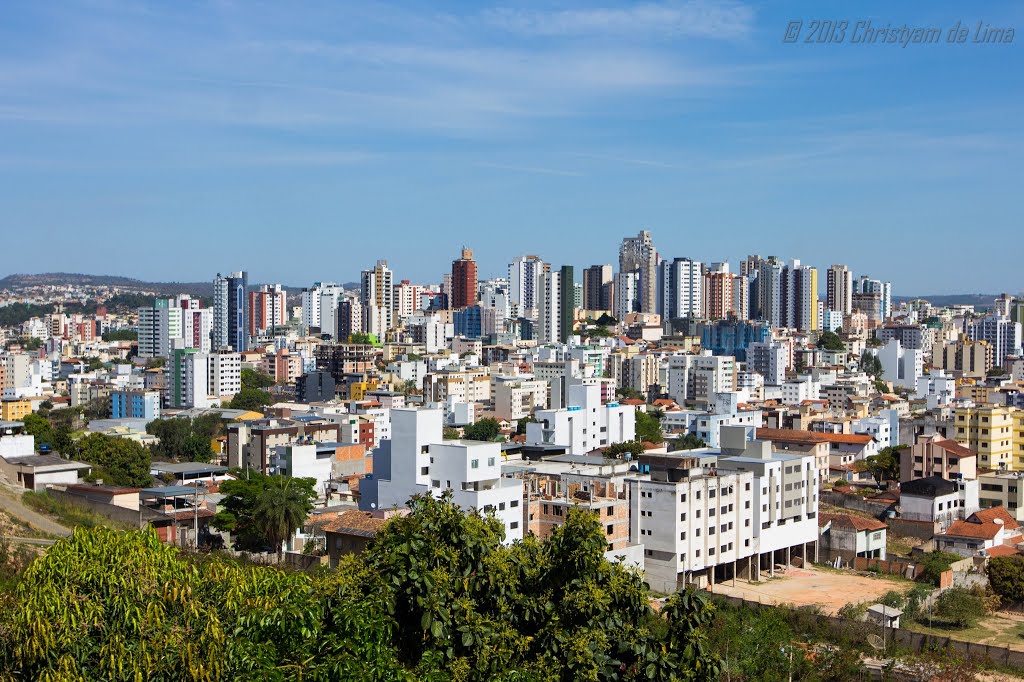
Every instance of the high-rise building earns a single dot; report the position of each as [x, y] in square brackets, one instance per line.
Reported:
[230, 311]
[627, 285]
[159, 325]
[407, 300]
[377, 297]
[330, 295]
[267, 309]
[549, 311]
[725, 294]
[567, 296]
[637, 254]
[839, 292]
[681, 292]
[768, 285]
[595, 293]
[800, 296]
[349, 317]
[311, 307]
[524, 285]
[464, 280]
[1002, 333]
[866, 285]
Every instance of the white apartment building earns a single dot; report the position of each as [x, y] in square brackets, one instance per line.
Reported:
[704, 516]
[416, 460]
[769, 359]
[901, 366]
[514, 398]
[700, 377]
[585, 425]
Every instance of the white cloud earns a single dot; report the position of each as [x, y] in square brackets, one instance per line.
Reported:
[725, 21]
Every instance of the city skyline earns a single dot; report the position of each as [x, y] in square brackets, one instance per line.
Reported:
[390, 131]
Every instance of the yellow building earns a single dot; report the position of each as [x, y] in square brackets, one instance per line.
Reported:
[1018, 439]
[14, 410]
[358, 389]
[989, 431]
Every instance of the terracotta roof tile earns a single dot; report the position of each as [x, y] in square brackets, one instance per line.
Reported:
[858, 523]
[966, 529]
[993, 513]
[355, 522]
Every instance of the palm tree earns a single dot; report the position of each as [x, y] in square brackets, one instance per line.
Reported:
[282, 508]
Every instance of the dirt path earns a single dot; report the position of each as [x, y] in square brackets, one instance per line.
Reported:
[10, 502]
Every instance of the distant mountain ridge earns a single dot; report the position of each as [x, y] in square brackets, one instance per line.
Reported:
[79, 279]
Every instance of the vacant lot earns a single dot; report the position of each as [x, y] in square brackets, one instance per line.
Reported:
[829, 590]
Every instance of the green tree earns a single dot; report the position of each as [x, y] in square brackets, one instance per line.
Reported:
[648, 427]
[617, 450]
[871, 365]
[935, 564]
[450, 433]
[1006, 577]
[486, 429]
[629, 393]
[282, 508]
[183, 439]
[118, 461]
[599, 332]
[39, 427]
[121, 335]
[885, 466]
[252, 378]
[252, 399]
[959, 607]
[688, 441]
[830, 341]
[263, 511]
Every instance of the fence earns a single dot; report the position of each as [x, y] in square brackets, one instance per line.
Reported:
[915, 641]
[905, 569]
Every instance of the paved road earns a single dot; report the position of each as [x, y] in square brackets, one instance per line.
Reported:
[10, 502]
[31, 541]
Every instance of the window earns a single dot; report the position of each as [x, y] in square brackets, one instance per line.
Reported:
[474, 464]
[424, 471]
[514, 524]
[682, 498]
[682, 536]
[544, 508]
[723, 548]
[697, 553]
[682, 517]
[490, 461]
[435, 483]
[711, 551]
[514, 503]
[609, 529]
[610, 511]
[501, 506]
[746, 523]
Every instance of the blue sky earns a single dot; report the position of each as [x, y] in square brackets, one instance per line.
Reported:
[302, 141]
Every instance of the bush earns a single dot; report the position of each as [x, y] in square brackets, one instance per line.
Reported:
[960, 607]
[1006, 577]
[853, 611]
[935, 564]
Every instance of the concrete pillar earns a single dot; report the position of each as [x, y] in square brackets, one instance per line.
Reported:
[734, 573]
[788, 558]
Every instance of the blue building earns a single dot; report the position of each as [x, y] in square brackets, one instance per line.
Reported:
[467, 322]
[733, 337]
[135, 405]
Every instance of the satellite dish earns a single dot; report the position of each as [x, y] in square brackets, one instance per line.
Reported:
[373, 505]
[876, 642]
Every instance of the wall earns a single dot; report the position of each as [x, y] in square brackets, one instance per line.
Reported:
[126, 516]
[914, 641]
[923, 530]
[854, 502]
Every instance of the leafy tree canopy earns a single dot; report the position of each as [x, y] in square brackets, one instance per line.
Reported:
[830, 341]
[118, 461]
[121, 335]
[252, 378]
[183, 439]
[252, 399]
[1006, 577]
[435, 597]
[485, 429]
[648, 427]
[263, 511]
[686, 442]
